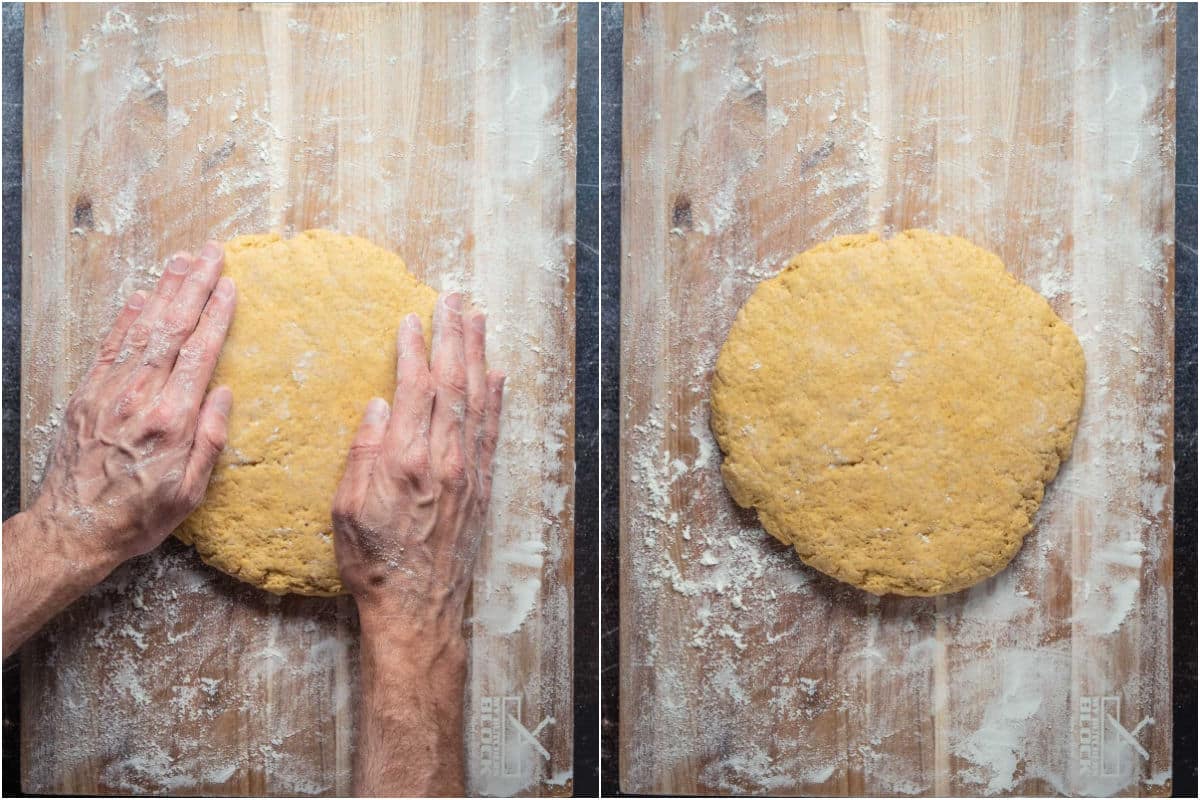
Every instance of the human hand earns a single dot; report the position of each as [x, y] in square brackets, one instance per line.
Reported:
[409, 512]
[140, 435]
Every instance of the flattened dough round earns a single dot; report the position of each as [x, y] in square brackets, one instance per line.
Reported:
[894, 409]
[313, 339]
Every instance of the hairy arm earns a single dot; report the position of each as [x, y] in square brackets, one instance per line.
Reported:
[410, 742]
[46, 568]
[408, 516]
[139, 440]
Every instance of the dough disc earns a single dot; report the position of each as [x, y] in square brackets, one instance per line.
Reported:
[312, 340]
[894, 409]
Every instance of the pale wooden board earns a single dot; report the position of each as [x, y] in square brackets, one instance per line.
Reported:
[445, 133]
[752, 132]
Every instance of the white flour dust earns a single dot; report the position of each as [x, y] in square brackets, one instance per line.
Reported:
[207, 685]
[758, 674]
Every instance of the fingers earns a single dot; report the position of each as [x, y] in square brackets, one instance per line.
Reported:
[212, 429]
[474, 348]
[137, 335]
[450, 380]
[408, 428]
[198, 356]
[491, 433]
[360, 463]
[172, 320]
[110, 348]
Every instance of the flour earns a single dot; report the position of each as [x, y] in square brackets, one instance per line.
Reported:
[207, 148]
[762, 675]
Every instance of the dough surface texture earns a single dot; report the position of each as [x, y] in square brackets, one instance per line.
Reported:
[313, 339]
[894, 409]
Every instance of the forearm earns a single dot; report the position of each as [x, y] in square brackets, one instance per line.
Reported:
[410, 737]
[45, 570]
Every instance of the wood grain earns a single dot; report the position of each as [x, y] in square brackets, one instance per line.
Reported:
[443, 132]
[752, 132]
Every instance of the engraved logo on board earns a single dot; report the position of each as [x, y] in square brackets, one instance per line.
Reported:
[1101, 737]
[504, 739]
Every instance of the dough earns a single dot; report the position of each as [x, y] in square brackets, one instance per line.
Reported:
[894, 409]
[313, 339]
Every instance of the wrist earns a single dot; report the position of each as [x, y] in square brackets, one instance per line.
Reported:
[82, 553]
[425, 644]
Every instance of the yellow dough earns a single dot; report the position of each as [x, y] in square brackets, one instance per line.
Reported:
[313, 339]
[894, 409]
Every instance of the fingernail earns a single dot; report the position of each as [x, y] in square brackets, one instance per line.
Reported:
[180, 264]
[211, 252]
[412, 322]
[223, 400]
[225, 288]
[136, 300]
[376, 410]
[454, 301]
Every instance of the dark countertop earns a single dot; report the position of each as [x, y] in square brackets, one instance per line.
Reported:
[587, 425]
[1185, 394]
[14, 81]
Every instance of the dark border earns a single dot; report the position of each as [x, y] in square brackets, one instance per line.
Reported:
[1184, 582]
[14, 89]
[587, 435]
[612, 70]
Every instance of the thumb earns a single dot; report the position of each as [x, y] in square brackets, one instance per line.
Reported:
[212, 431]
[360, 463]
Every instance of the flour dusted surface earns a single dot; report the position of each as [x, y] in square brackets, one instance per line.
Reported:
[1042, 135]
[159, 127]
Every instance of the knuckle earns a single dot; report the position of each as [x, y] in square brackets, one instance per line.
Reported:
[364, 451]
[414, 463]
[162, 418]
[153, 358]
[454, 378]
[174, 326]
[455, 475]
[217, 439]
[193, 351]
[127, 404]
[416, 384]
[108, 354]
[476, 408]
[155, 354]
[139, 334]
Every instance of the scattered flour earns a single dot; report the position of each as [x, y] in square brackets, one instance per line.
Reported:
[760, 675]
[207, 685]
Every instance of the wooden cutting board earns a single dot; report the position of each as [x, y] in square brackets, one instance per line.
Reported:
[1042, 133]
[445, 133]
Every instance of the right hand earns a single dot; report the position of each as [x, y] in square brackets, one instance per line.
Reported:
[410, 509]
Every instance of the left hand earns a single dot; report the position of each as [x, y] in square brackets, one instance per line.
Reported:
[141, 435]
